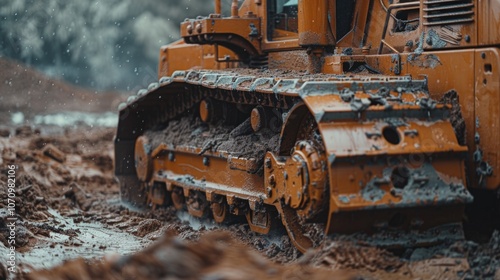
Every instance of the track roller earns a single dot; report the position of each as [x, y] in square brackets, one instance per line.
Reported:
[158, 195]
[220, 209]
[197, 204]
[178, 198]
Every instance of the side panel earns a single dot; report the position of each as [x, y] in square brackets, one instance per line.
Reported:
[489, 22]
[181, 56]
[487, 122]
[444, 70]
[476, 81]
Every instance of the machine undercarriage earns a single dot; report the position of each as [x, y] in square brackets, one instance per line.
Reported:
[352, 153]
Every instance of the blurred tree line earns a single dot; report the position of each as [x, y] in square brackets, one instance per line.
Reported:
[106, 44]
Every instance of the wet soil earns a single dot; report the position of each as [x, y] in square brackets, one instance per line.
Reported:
[237, 141]
[71, 224]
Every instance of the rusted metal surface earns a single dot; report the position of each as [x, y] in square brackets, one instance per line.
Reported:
[313, 24]
[384, 112]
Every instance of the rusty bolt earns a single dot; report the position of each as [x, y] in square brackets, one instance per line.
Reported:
[171, 156]
[467, 38]
[206, 161]
[483, 55]
[190, 29]
[198, 27]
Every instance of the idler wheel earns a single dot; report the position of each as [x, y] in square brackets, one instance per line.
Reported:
[309, 162]
[142, 157]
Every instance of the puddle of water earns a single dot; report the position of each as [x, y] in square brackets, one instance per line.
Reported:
[108, 119]
[66, 119]
[93, 241]
[17, 118]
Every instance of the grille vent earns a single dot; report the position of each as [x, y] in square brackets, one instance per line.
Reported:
[444, 12]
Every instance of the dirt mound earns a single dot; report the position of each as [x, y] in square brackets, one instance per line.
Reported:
[54, 173]
[343, 254]
[23, 89]
[215, 256]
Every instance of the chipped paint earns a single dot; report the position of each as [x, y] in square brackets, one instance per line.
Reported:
[424, 186]
[425, 61]
[434, 40]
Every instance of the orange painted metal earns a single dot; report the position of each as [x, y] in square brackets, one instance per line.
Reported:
[142, 158]
[313, 24]
[218, 7]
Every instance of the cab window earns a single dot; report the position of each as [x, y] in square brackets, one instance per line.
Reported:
[282, 19]
[345, 17]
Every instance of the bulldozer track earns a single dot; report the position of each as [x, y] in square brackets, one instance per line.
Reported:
[395, 102]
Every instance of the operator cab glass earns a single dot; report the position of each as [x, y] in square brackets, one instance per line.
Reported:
[282, 19]
[344, 21]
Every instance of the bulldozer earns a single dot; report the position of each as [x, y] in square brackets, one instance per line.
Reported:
[376, 117]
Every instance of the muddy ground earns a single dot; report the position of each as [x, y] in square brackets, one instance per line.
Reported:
[71, 223]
